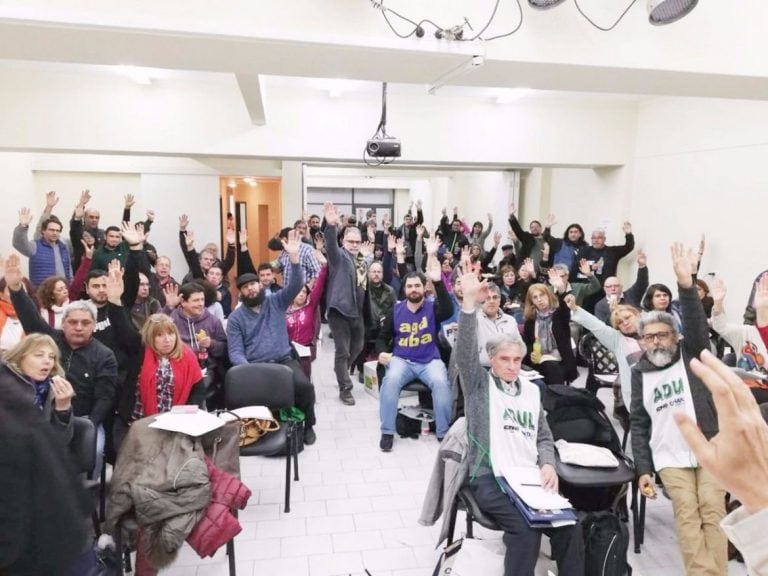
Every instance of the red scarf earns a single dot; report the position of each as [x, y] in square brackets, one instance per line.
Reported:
[186, 373]
[6, 311]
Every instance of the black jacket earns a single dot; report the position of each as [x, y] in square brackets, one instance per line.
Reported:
[92, 369]
[562, 332]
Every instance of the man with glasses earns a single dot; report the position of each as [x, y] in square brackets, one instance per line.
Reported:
[48, 255]
[345, 295]
[491, 321]
[663, 385]
[615, 294]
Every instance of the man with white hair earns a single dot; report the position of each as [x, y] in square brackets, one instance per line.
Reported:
[491, 322]
[663, 384]
[506, 423]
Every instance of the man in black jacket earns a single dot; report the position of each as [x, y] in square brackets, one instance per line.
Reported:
[615, 293]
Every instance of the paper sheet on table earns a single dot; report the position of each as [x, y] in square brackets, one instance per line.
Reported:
[261, 412]
[301, 350]
[196, 424]
[526, 482]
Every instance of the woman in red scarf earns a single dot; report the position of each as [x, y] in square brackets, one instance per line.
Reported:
[11, 331]
[170, 374]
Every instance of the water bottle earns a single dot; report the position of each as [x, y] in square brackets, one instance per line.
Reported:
[424, 426]
[537, 350]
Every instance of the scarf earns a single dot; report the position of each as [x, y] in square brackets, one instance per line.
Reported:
[544, 332]
[6, 311]
[362, 271]
[42, 388]
[165, 383]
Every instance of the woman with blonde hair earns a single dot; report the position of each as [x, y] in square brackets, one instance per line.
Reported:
[32, 368]
[547, 335]
[170, 374]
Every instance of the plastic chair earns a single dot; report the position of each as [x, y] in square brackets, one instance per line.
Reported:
[603, 368]
[83, 448]
[267, 385]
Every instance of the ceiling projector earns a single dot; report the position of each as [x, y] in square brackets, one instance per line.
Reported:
[383, 147]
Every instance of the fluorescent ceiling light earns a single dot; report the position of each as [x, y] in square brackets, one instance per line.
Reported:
[137, 74]
[511, 95]
[460, 70]
[668, 11]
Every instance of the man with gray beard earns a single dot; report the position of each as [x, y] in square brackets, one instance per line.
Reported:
[664, 384]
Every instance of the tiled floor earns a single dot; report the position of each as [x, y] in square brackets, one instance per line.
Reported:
[355, 508]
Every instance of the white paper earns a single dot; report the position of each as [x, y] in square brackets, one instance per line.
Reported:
[195, 424]
[261, 412]
[301, 350]
[526, 482]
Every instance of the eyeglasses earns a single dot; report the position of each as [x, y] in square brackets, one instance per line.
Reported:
[354, 242]
[660, 336]
[494, 297]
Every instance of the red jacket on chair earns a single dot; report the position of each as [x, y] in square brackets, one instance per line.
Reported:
[218, 526]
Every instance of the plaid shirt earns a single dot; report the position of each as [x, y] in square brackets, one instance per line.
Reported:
[309, 264]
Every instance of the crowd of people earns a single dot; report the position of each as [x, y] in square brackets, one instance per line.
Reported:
[100, 328]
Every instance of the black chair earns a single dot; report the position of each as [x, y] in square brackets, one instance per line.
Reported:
[465, 500]
[267, 385]
[83, 449]
[603, 368]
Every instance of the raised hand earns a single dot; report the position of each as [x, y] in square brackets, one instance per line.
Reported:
[418, 204]
[545, 251]
[496, 238]
[555, 281]
[139, 227]
[420, 231]
[511, 236]
[718, 290]
[400, 248]
[473, 290]
[760, 301]
[737, 456]
[434, 272]
[322, 260]
[129, 200]
[13, 275]
[151, 215]
[490, 218]
[570, 301]
[243, 237]
[549, 221]
[85, 197]
[115, 284]
[432, 245]
[528, 263]
[371, 232]
[444, 211]
[702, 245]
[183, 222]
[465, 259]
[512, 209]
[584, 267]
[172, 297]
[683, 261]
[391, 243]
[189, 240]
[25, 216]
[320, 243]
[642, 259]
[130, 234]
[626, 228]
[88, 250]
[331, 214]
[292, 246]
[366, 249]
[51, 200]
[230, 236]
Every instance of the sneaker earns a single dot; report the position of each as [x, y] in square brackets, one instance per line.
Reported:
[346, 397]
[386, 442]
[360, 378]
[309, 436]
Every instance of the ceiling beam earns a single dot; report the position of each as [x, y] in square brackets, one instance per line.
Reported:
[250, 88]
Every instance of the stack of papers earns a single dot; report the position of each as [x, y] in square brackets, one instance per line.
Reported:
[192, 424]
[540, 508]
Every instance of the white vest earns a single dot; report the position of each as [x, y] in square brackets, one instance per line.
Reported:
[664, 393]
[513, 426]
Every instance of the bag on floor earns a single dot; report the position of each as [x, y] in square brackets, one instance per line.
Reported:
[606, 539]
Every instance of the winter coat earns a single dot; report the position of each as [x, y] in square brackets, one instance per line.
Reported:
[218, 526]
[161, 477]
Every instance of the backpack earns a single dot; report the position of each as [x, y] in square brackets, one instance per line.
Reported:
[409, 419]
[606, 540]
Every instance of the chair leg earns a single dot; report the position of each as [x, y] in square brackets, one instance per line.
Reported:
[295, 450]
[103, 492]
[452, 520]
[624, 439]
[96, 524]
[288, 469]
[470, 521]
[635, 518]
[642, 519]
[231, 556]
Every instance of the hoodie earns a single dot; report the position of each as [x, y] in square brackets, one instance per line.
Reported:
[189, 327]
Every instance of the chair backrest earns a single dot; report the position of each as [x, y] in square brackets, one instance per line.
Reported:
[259, 385]
[601, 360]
[83, 444]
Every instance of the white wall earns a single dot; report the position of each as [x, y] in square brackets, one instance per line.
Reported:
[700, 168]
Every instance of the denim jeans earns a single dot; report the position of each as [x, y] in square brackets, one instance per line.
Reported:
[401, 372]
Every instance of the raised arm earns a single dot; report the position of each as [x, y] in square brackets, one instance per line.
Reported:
[692, 311]
[21, 241]
[732, 333]
[26, 310]
[465, 349]
[332, 246]
[289, 292]
[608, 337]
[634, 294]
[629, 242]
[229, 258]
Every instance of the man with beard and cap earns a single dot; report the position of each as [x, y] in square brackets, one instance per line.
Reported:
[663, 385]
[345, 296]
[256, 331]
[410, 331]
